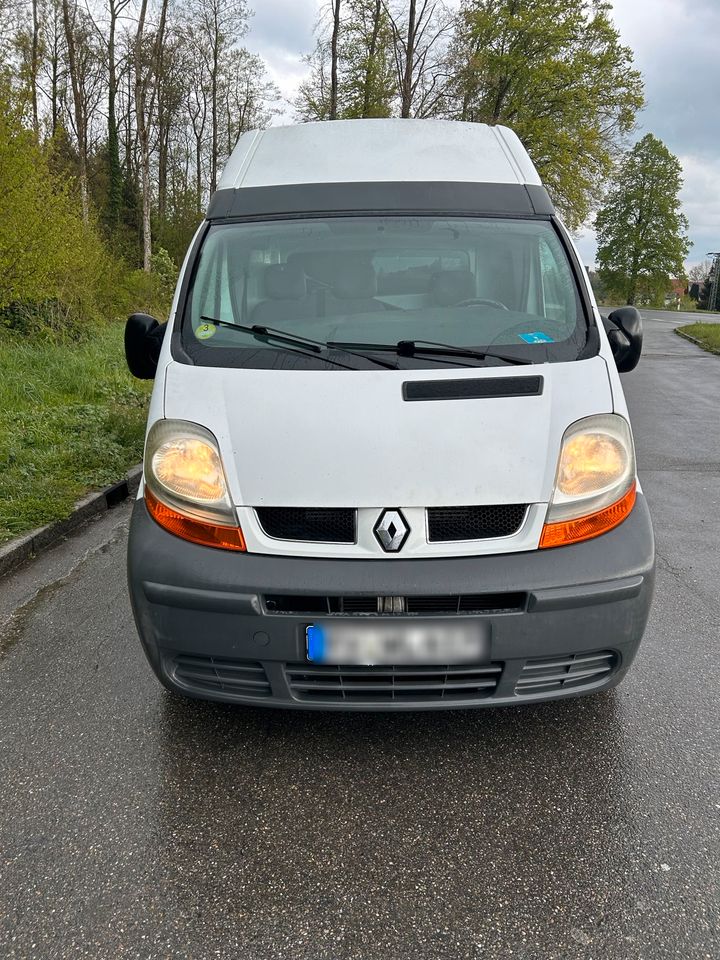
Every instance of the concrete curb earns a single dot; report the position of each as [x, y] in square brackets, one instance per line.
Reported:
[25, 548]
[699, 343]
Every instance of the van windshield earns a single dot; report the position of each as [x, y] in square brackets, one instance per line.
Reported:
[472, 283]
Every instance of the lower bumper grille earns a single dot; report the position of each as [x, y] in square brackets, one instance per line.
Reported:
[563, 673]
[246, 680]
[392, 684]
[241, 678]
[440, 604]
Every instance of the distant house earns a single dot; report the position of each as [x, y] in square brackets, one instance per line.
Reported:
[678, 289]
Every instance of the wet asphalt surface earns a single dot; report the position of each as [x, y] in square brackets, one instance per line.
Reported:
[134, 824]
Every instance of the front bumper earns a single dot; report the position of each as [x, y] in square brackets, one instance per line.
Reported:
[206, 629]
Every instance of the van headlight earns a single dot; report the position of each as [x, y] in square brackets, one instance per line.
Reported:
[595, 483]
[186, 491]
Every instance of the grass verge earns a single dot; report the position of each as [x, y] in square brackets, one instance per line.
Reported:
[72, 419]
[706, 335]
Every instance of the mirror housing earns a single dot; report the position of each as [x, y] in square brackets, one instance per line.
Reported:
[143, 339]
[626, 337]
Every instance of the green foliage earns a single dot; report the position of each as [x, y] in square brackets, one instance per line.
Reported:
[47, 255]
[368, 83]
[641, 230]
[556, 72]
[175, 232]
[367, 80]
[706, 301]
[166, 272]
[71, 418]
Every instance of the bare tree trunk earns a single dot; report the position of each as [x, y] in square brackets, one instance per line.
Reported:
[372, 50]
[79, 109]
[54, 76]
[334, 60]
[143, 136]
[145, 92]
[214, 150]
[406, 89]
[34, 66]
[114, 168]
[198, 171]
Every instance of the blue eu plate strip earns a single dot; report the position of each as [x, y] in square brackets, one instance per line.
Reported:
[537, 337]
[315, 643]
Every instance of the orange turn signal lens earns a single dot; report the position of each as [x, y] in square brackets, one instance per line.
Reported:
[197, 531]
[584, 528]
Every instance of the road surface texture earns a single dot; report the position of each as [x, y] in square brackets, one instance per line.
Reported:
[134, 824]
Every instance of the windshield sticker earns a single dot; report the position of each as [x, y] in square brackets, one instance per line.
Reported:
[537, 337]
[205, 331]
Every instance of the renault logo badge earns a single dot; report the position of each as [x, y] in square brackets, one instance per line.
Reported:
[391, 530]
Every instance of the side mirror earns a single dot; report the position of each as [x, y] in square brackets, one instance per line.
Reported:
[143, 339]
[626, 338]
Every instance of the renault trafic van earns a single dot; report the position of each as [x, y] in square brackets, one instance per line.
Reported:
[388, 464]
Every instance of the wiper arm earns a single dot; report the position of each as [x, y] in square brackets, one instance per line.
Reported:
[294, 340]
[411, 348]
[407, 348]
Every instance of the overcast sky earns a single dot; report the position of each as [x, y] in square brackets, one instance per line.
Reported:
[676, 48]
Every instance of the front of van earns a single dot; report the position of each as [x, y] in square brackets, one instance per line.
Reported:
[388, 462]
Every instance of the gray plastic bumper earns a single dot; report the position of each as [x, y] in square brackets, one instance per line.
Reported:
[204, 608]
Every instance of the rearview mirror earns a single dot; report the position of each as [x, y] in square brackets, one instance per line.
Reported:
[626, 338]
[143, 339]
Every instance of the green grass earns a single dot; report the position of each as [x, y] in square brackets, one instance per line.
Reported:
[707, 335]
[72, 419]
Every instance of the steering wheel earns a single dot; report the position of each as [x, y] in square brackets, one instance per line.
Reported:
[481, 300]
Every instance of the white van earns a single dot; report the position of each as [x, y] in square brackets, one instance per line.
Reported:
[388, 462]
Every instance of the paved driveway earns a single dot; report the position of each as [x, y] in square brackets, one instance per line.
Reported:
[133, 824]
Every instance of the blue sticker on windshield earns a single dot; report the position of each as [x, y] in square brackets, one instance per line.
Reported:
[537, 337]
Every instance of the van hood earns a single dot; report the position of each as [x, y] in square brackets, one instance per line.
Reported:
[350, 439]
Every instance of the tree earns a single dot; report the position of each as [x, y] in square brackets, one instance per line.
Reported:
[335, 4]
[641, 229]
[418, 30]
[115, 178]
[81, 112]
[147, 63]
[374, 60]
[556, 72]
[367, 53]
[699, 272]
[215, 27]
[48, 256]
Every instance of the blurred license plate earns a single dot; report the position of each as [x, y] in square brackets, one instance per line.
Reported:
[385, 642]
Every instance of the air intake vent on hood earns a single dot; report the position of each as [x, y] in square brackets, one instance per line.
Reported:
[484, 389]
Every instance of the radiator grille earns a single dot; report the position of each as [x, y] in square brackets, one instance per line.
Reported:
[474, 523]
[302, 605]
[333, 684]
[317, 524]
[563, 673]
[209, 674]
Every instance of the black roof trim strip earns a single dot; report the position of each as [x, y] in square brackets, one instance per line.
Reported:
[412, 197]
[491, 387]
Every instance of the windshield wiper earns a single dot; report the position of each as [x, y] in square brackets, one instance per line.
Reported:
[413, 348]
[295, 340]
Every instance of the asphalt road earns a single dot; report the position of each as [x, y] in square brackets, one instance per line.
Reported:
[133, 824]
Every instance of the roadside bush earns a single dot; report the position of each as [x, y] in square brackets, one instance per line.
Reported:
[53, 267]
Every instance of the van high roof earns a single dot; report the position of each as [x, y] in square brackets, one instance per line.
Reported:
[378, 150]
[389, 165]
